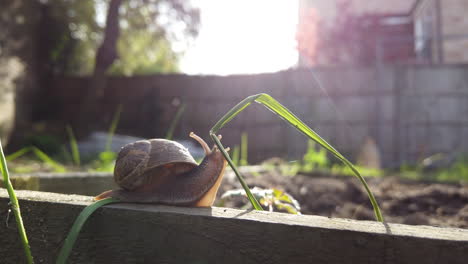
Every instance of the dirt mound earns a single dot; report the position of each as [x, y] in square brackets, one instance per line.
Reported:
[401, 201]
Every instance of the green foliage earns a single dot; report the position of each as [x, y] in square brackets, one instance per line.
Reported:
[456, 172]
[284, 113]
[141, 54]
[175, 121]
[236, 155]
[244, 150]
[314, 158]
[343, 170]
[113, 127]
[45, 142]
[272, 199]
[18, 153]
[76, 228]
[39, 154]
[73, 35]
[48, 160]
[105, 162]
[73, 146]
[15, 206]
[148, 31]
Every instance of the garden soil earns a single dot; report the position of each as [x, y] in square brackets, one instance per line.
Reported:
[401, 201]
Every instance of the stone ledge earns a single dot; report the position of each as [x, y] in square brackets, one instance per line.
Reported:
[130, 233]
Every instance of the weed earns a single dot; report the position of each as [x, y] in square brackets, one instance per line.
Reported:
[15, 206]
[273, 199]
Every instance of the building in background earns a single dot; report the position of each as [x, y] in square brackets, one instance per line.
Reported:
[370, 32]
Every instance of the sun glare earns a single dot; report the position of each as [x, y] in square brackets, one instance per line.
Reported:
[243, 36]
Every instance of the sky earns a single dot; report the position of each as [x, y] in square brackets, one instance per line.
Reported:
[243, 37]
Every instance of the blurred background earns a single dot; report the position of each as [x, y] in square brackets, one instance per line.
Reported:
[385, 82]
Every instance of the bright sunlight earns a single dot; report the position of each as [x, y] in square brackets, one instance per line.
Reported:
[243, 36]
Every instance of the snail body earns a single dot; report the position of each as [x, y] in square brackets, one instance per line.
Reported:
[163, 171]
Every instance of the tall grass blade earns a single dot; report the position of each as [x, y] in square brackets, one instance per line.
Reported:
[15, 206]
[73, 146]
[244, 150]
[18, 153]
[274, 106]
[175, 121]
[235, 155]
[76, 228]
[250, 196]
[113, 127]
[48, 160]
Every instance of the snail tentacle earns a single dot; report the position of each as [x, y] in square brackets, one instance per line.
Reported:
[200, 140]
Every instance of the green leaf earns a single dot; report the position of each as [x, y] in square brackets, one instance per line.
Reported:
[73, 146]
[15, 206]
[77, 226]
[250, 196]
[284, 113]
[175, 121]
[113, 127]
[18, 153]
[48, 160]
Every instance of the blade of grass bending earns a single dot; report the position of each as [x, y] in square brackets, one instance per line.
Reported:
[15, 206]
[48, 160]
[250, 196]
[76, 228]
[113, 127]
[18, 153]
[175, 121]
[274, 106]
[73, 146]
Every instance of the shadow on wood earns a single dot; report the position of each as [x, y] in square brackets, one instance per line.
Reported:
[128, 233]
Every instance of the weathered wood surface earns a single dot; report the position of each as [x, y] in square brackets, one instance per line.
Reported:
[128, 233]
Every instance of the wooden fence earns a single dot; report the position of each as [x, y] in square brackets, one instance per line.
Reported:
[411, 111]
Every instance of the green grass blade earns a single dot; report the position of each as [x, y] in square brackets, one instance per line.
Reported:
[274, 106]
[48, 160]
[175, 121]
[15, 206]
[76, 228]
[250, 196]
[235, 155]
[113, 127]
[18, 153]
[244, 150]
[73, 146]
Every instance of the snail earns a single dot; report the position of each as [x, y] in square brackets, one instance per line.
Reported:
[163, 171]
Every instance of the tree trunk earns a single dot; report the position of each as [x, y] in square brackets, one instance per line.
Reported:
[105, 56]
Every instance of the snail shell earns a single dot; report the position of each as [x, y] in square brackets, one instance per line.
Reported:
[163, 171]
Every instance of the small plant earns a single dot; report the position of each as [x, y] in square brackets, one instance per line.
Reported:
[73, 146]
[175, 121]
[274, 106]
[39, 154]
[456, 172]
[272, 199]
[239, 153]
[314, 158]
[105, 162]
[113, 127]
[15, 206]
[244, 150]
[236, 155]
